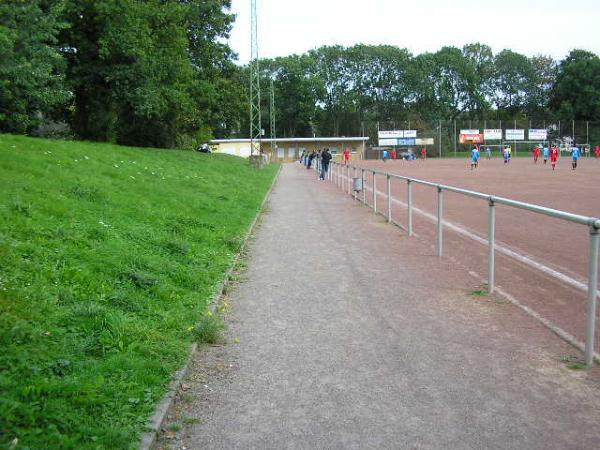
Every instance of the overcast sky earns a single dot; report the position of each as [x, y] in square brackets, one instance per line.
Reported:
[530, 27]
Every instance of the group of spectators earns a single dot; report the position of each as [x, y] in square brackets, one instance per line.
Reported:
[321, 158]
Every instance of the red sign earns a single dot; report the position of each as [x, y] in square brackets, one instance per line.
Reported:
[470, 138]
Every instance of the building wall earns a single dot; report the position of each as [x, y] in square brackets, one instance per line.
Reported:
[291, 151]
[241, 149]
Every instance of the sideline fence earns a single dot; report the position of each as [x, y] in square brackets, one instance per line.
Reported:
[344, 181]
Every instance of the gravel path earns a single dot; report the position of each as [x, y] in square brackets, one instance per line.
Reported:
[347, 334]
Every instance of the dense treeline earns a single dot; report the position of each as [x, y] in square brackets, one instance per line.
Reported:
[159, 73]
[336, 90]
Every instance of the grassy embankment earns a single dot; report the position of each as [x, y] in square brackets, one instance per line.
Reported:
[108, 257]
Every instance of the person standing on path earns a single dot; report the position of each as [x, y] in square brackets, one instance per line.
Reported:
[310, 159]
[386, 155]
[325, 158]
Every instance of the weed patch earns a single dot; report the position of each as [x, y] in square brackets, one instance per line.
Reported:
[480, 291]
[573, 362]
[209, 329]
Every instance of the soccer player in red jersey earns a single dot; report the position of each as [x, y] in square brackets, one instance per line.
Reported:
[346, 155]
[553, 157]
[536, 153]
[423, 153]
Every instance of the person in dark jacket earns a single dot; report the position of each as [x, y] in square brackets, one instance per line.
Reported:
[312, 156]
[325, 158]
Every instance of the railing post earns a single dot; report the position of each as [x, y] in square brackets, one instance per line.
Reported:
[347, 179]
[492, 246]
[409, 201]
[440, 218]
[364, 191]
[389, 198]
[336, 175]
[374, 194]
[353, 191]
[592, 289]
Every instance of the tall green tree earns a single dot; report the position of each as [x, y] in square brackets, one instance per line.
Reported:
[480, 85]
[576, 93]
[544, 76]
[129, 69]
[513, 81]
[150, 73]
[32, 81]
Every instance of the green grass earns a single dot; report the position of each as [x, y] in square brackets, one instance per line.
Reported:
[574, 362]
[480, 291]
[108, 257]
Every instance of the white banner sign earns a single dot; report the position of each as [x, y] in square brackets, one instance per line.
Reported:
[387, 142]
[424, 141]
[538, 134]
[492, 134]
[514, 135]
[469, 131]
[390, 134]
[396, 134]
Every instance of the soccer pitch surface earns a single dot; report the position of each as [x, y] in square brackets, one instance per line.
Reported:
[557, 244]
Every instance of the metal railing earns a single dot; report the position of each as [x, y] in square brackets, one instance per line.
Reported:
[344, 181]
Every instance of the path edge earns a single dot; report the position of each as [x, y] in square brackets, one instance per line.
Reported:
[155, 423]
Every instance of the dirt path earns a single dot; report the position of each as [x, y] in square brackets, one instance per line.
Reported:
[333, 347]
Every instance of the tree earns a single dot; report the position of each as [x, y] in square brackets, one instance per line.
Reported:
[513, 80]
[32, 81]
[544, 76]
[149, 73]
[448, 83]
[576, 93]
[481, 58]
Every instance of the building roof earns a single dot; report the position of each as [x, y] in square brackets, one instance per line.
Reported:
[313, 139]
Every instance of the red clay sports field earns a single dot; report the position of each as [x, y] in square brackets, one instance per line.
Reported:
[555, 244]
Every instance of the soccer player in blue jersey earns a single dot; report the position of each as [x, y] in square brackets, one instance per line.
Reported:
[545, 154]
[575, 154]
[474, 157]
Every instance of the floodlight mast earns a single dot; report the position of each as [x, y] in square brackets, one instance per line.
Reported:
[255, 115]
[272, 114]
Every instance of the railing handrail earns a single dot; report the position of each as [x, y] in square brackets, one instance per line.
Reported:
[593, 224]
[572, 217]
